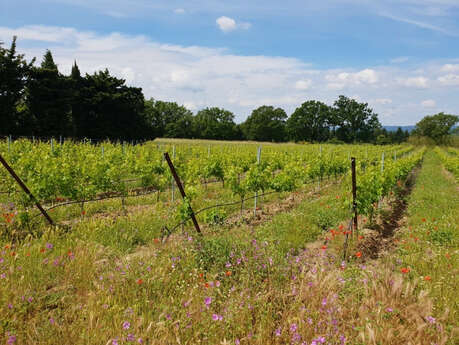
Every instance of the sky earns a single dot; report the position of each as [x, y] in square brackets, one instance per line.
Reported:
[399, 56]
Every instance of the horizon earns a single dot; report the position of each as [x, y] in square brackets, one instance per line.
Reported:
[402, 59]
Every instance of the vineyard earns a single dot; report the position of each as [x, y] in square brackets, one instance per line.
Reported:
[277, 259]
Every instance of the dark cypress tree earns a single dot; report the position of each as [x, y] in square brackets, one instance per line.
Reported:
[14, 71]
[49, 99]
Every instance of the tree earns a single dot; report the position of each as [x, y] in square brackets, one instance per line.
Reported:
[48, 99]
[266, 123]
[355, 121]
[215, 123]
[14, 71]
[310, 122]
[168, 119]
[111, 109]
[437, 127]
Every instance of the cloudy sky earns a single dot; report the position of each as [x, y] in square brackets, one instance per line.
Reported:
[400, 56]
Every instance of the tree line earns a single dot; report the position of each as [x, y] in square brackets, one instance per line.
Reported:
[43, 102]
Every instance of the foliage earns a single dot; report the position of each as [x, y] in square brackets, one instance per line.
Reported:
[437, 127]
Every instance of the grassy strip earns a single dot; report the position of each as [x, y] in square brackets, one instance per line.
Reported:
[429, 247]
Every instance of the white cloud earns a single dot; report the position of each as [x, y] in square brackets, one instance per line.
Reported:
[449, 79]
[428, 103]
[198, 76]
[179, 11]
[382, 101]
[303, 84]
[450, 68]
[338, 81]
[416, 82]
[227, 24]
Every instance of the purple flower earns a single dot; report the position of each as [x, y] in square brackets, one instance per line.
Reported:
[296, 338]
[208, 301]
[51, 321]
[130, 337]
[293, 327]
[11, 339]
[115, 341]
[140, 341]
[10, 306]
[49, 246]
[126, 325]
[324, 301]
[237, 342]
[389, 310]
[30, 299]
[228, 264]
[431, 319]
[217, 317]
[278, 332]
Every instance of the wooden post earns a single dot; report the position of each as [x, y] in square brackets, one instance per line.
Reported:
[256, 193]
[26, 190]
[182, 191]
[354, 193]
[172, 179]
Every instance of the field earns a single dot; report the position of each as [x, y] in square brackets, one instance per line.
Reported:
[276, 261]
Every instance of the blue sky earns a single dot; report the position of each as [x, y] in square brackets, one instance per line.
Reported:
[402, 57]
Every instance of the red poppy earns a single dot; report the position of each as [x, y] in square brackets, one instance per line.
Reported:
[70, 253]
[423, 219]
[139, 281]
[358, 254]
[206, 285]
[228, 273]
[83, 213]
[341, 227]
[324, 247]
[42, 250]
[447, 255]
[405, 269]
[201, 275]
[360, 237]
[156, 240]
[427, 278]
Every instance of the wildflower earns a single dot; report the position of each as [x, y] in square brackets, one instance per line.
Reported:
[324, 247]
[126, 325]
[217, 317]
[140, 341]
[405, 270]
[358, 254]
[278, 332]
[237, 342]
[427, 278]
[51, 321]
[208, 301]
[389, 310]
[431, 319]
[11, 339]
[293, 327]
[228, 273]
[206, 285]
[130, 337]
[156, 240]
[49, 246]
[42, 250]
[139, 281]
[423, 219]
[324, 302]
[115, 341]
[30, 299]
[217, 283]
[228, 265]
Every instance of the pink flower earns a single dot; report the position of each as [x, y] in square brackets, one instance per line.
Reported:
[126, 325]
[208, 301]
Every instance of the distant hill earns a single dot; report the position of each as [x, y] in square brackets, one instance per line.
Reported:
[394, 128]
